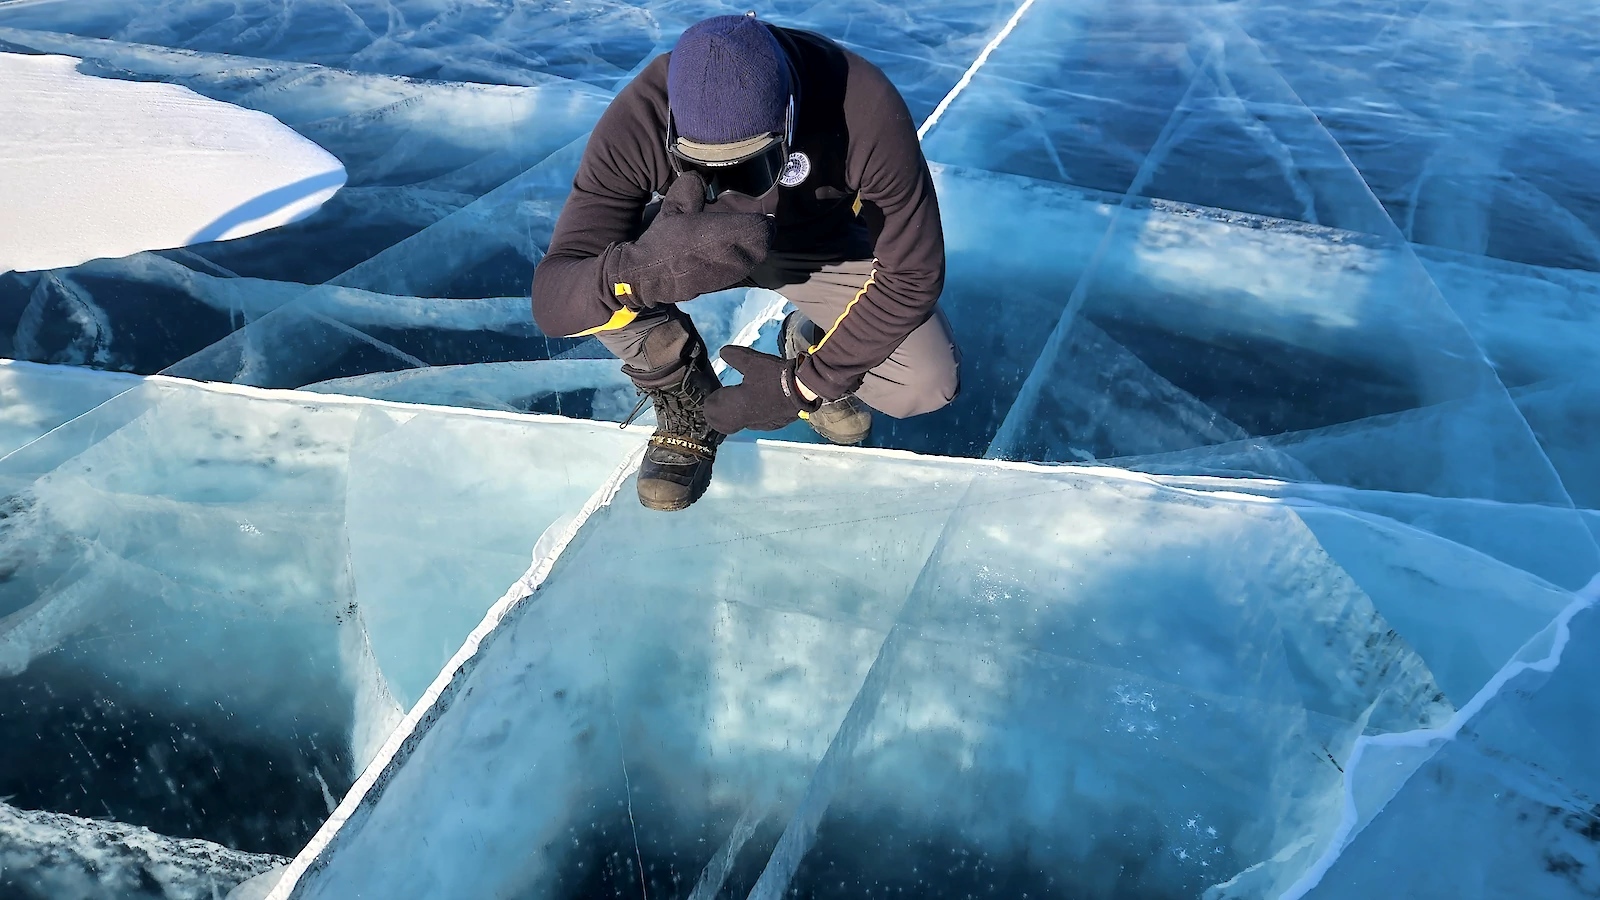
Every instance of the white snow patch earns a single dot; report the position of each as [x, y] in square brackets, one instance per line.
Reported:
[95, 167]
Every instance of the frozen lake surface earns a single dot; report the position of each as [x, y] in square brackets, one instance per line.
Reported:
[1256, 558]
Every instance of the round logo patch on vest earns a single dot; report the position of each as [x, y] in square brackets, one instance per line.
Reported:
[796, 168]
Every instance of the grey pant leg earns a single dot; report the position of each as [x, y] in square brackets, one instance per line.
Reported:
[659, 344]
[921, 375]
[656, 347]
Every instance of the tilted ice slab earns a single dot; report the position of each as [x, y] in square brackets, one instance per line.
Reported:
[1465, 133]
[1006, 674]
[850, 669]
[218, 603]
[1178, 291]
[1190, 281]
[95, 167]
[1205, 326]
[1177, 288]
[35, 399]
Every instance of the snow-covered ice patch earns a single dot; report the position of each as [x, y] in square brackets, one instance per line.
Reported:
[94, 167]
[44, 854]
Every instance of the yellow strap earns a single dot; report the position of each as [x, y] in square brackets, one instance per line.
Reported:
[618, 319]
[871, 280]
[855, 207]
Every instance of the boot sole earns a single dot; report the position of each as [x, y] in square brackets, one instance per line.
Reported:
[675, 505]
[842, 438]
[697, 489]
[842, 441]
[792, 344]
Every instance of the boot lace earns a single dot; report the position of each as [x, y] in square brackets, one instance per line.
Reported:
[680, 411]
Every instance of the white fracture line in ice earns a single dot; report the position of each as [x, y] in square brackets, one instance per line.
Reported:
[543, 562]
[746, 335]
[1011, 427]
[1349, 825]
[966, 77]
[545, 557]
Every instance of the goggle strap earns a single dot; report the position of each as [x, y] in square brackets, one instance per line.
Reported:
[672, 135]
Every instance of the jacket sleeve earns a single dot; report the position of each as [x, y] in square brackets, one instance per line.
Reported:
[897, 201]
[609, 193]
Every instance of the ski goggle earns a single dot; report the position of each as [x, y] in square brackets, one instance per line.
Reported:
[749, 167]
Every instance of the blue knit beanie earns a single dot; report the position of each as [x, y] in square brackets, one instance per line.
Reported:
[727, 81]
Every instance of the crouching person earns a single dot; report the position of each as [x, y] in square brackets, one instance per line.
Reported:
[780, 160]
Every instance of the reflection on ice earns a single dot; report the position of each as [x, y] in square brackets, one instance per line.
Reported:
[36, 399]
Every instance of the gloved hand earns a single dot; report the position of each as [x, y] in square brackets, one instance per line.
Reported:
[686, 251]
[767, 400]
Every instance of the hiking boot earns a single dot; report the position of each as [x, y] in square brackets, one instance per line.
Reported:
[843, 421]
[677, 464]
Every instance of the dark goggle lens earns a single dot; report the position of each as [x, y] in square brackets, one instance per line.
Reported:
[752, 177]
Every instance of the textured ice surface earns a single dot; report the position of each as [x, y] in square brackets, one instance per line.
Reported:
[1522, 770]
[47, 856]
[1313, 290]
[216, 606]
[36, 399]
[1307, 252]
[133, 167]
[1072, 683]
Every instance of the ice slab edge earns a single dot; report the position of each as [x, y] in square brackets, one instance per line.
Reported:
[1380, 765]
[431, 704]
[433, 701]
[422, 718]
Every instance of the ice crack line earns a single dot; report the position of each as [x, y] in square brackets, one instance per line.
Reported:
[545, 557]
[1010, 432]
[627, 782]
[966, 77]
[1559, 632]
[801, 832]
[425, 707]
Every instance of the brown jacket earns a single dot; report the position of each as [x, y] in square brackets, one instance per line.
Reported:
[869, 195]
